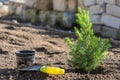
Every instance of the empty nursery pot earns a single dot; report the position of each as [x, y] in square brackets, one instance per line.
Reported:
[25, 57]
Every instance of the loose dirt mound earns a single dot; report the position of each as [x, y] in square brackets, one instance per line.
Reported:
[52, 51]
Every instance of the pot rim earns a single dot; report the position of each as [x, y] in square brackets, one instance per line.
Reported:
[25, 52]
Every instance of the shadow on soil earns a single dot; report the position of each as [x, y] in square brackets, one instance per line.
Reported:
[52, 32]
[7, 74]
[43, 49]
[99, 70]
[12, 74]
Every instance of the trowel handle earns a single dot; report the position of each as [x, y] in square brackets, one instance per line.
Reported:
[52, 70]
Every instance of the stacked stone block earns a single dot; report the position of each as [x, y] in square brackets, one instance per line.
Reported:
[104, 14]
[4, 7]
[52, 12]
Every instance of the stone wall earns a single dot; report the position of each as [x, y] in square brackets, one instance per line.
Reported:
[4, 7]
[105, 14]
[58, 13]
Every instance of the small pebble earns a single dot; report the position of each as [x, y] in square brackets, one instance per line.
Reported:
[15, 21]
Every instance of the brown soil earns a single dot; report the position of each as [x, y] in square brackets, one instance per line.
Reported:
[51, 51]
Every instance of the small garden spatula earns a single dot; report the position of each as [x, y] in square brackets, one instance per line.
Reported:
[44, 69]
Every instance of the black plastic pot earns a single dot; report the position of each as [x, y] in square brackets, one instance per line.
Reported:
[25, 57]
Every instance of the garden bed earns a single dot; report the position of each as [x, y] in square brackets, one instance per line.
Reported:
[51, 51]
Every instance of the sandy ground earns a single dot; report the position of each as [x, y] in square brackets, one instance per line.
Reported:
[51, 51]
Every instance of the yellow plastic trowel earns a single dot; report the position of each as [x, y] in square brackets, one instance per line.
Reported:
[45, 69]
